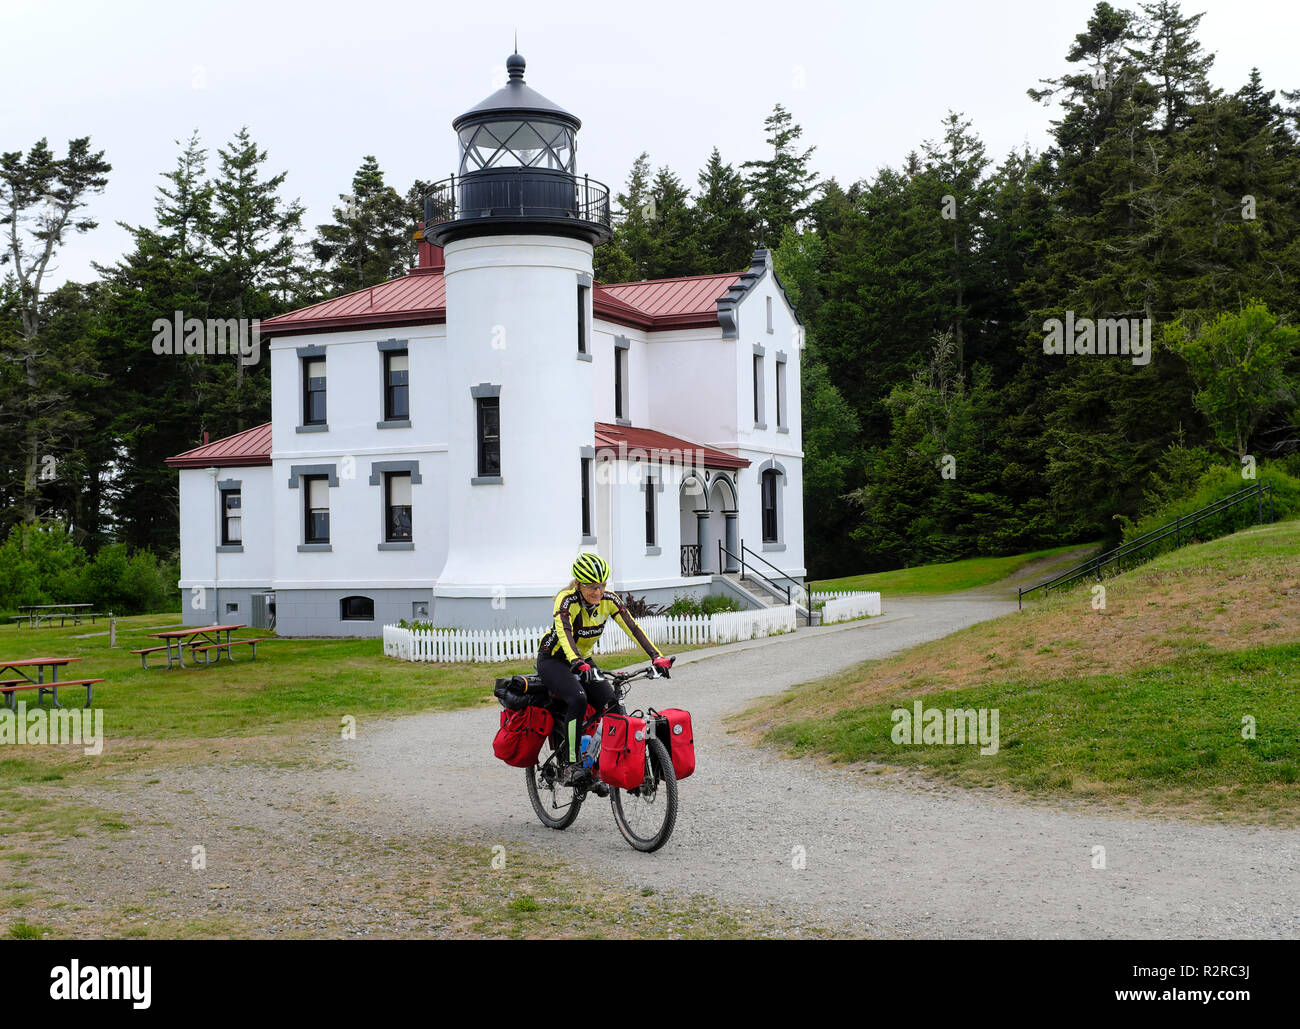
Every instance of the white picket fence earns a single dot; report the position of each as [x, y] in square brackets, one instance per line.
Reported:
[843, 606]
[456, 645]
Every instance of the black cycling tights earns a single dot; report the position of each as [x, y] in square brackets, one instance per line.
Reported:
[565, 687]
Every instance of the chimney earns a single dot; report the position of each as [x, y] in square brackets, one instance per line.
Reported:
[430, 256]
[205, 437]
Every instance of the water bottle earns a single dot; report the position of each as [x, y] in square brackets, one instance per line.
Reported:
[584, 749]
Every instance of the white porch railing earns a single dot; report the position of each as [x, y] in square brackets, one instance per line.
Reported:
[457, 645]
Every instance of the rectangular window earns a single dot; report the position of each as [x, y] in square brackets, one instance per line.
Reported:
[769, 314]
[232, 533]
[650, 512]
[758, 389]
[620, 384]
[397, 505]
[397, 406]
[769, 507]
[316, 499]
[313, 391]
[357, 609]
[582, 319]
[586, 496]
[489, 435]
[780, 394]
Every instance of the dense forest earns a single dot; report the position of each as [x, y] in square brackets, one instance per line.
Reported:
[937, 423]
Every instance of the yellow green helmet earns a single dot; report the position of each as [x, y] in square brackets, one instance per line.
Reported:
[591, 568]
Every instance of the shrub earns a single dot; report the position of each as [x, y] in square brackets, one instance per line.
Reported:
[712, 604]
[1216, 483]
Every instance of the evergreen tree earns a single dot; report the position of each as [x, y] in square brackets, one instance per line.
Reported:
[783, 184]
[724, 225]
[369, 240]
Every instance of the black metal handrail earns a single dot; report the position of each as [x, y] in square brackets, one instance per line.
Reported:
[775, 586]
[1095, 565]
[518, 192]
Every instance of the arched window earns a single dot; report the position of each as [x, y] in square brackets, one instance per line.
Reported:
[769, 506]
[357, 609]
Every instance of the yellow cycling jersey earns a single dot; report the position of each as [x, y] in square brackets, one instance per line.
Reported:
[575, 630]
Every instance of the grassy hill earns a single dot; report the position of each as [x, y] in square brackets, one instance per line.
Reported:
[967, 574]
[1149, 702]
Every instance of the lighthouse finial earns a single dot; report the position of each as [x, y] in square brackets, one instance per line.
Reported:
[516, 41]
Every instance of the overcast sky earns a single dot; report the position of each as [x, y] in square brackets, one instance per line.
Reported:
[321, 84]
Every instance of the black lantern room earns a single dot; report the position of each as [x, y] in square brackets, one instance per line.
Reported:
[517, 172]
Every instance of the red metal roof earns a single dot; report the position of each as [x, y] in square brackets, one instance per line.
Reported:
[253, 447]
[420, 298]
[660, 445]
[674, 298]
[250, 447]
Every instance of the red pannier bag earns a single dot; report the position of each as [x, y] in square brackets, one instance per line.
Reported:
[673, 727]
[522, 733]
[622, 751]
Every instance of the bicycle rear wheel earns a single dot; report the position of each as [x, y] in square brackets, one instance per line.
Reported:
[555, 805]
[646, 815]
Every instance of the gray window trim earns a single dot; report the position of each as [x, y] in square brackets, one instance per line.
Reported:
[378, 468]
[584, 357]
[232, 548]
[653, 551]
[401, 423]
[658, 484]
[622, 421]
[312, 428]
[311, 351]
[584, 279]
[760, 385]
[622, 343]
[486, 480]
[314, 548]
[772, 464]
[484, 389]
[297, 471]
[386, 345]
[230, 484]
[588, 539]
[783, 409]
[587, 452]
[759, 351]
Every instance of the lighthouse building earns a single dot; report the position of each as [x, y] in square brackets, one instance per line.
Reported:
[442, 445]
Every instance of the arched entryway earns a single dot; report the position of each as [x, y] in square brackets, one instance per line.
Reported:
[709, 516]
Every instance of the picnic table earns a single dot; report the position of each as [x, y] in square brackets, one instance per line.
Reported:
[38, 665]
[34, 614]
[202, 640]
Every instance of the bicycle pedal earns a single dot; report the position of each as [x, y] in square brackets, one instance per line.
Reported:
[600, 789]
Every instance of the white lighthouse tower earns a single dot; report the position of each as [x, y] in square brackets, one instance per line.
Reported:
[517, 224]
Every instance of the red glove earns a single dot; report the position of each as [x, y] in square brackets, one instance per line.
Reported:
[579, 666]
[663, 662]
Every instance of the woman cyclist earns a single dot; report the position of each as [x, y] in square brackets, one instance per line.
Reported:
[580, 612]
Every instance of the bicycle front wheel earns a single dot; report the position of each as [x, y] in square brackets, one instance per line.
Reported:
[647, 814]
[556, 806]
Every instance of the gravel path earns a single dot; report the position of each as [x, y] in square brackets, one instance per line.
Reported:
[883, 858]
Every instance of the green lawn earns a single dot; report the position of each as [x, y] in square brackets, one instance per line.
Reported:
[1180, 694]
[293, 683]
[949, 577]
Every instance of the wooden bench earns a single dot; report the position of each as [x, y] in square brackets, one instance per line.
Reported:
[11, 686]
[226, 647]
[151, 650]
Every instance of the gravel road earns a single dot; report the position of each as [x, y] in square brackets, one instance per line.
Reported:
[884, 858]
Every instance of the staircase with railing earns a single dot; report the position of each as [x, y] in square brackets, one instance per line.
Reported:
[780, 588]
[1141, 549]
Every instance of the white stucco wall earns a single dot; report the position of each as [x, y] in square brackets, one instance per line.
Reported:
[201, 565]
